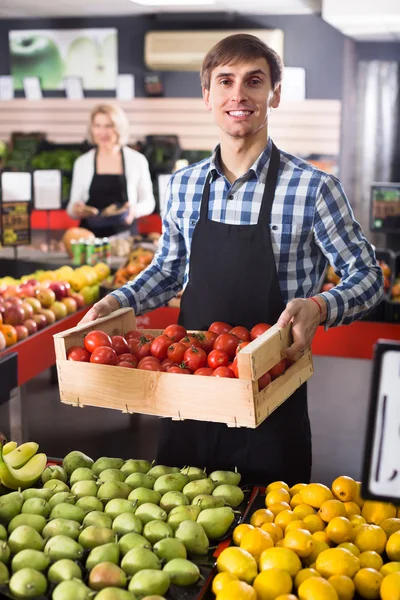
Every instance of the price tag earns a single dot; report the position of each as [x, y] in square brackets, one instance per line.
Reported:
[47, 193]
[125, 87]
[32, 88]
[6, 87]
[15, 223]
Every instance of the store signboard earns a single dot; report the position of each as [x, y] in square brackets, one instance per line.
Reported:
[15, 209]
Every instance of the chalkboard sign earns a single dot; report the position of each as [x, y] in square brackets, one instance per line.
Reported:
[15, 223]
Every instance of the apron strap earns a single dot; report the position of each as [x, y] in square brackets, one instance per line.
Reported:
[270, 186]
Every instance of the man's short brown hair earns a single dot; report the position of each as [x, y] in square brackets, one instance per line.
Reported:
[240, 47]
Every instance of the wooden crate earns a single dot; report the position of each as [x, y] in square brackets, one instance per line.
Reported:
[236, 402]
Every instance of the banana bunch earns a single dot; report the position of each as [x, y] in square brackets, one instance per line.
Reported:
[20, 466]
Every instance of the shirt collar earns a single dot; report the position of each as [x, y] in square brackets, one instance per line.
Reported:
[259, 167]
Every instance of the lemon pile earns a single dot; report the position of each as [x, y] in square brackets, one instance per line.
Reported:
[313, 543]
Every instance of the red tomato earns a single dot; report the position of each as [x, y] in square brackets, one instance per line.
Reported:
[258, 330]
[234, 367]
[175, 332]
[223, 372]
[241, 346]
[278, 369]
[219, 327]
[95, 339]
[288, 363]
[148, 359]
[195, 358]
[159, 346]
[78, 354]
[126, 357]
[205, 371]
[180, 369]
[140, 348]
[227, 343]
[134, 334]
[176, 352]
[167, 363]
[264, 381]
[217, 358]
[190, 341]
[207, 339]
[126, 364]
[104, 355]
[119, 344]
[241, 333]
[150, 366]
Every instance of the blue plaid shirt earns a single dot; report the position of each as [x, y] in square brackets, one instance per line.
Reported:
[311, 225]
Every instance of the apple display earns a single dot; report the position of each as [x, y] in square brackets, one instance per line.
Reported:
[34, 302]
[59, 289]
[46, 297]
[36, 55]
[14, 315]
[28, 310]
[40, 320]
[49, 314]
[59, 309]
[31, 326]
[71, 305]
[22, 332]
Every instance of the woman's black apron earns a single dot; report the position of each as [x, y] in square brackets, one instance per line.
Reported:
[233, 278]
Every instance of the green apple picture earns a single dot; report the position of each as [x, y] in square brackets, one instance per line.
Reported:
[35, 55]
[96, 62]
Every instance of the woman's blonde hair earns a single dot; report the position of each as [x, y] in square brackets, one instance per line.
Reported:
[118, 119]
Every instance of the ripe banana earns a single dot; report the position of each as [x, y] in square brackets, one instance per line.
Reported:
[20, 456]
[24, 477]
[9, 447]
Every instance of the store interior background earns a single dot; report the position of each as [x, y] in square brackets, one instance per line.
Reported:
[339, 389]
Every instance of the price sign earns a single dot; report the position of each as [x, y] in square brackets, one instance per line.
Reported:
[15, 223]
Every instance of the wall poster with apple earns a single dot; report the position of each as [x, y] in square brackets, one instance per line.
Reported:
[51, 55]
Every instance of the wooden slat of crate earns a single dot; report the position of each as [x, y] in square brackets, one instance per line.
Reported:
[264, 352]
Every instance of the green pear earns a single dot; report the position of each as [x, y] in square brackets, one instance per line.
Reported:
[97, 518]
[36, 521]
[82, 474]
[154, 531]
[228, 477]
[208, 501]
[55, 486]
[127, 523]
[10, 506]
[174, 482]
[199, 486]
[149, 512]
[28, 583]
[71, 589]
[182, 513]
[5, 553]
[171, 500]
[232, 494]
[112, 475]
[170, 548]
[67, 511]
[117, 506]
[80, 489]
[30, 558]
[159, 470]
[141, 495]
[62, 527]
[93, 536]
[43, 493]
[62, 546]
[194, 473]
[64, 569]
[105, 575]
[54, 472]
[140, 558]
[135, 466]
[61, 498]
[3, 533]
[182, 572]
[89, 504]
[149, 581]
[132, 540]
[112, 593]
[216, 521]
[113, 489]
[105, 462]
[137, 480]
[36, 506]
[193, 536]
[76, 459]
[106, 553]
[24, 537]
[4, 574]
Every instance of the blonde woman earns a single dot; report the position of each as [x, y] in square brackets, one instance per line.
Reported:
[111, 184]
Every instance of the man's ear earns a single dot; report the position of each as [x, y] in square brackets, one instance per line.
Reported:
[206, 97]
[276, 97]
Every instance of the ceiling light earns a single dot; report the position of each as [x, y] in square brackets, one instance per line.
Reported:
[170, 3]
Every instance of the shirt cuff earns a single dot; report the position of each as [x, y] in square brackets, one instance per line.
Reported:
[125, 297]
[334, 314]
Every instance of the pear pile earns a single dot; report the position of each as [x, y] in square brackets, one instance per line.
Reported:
[112, 529]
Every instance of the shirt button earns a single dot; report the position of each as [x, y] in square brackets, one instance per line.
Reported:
[274, 227]
[230, 197]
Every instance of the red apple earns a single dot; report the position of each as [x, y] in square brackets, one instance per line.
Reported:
[26, 291]
[14, 315]
[80, 302]
[40, 320]
[22, 332]
[71, 305]
[10, 291]
[59, 309]
[34, 302]
[67, 287]
[15, 301]
[31, 326]
[28, 310]
[59, 289]
[50, 316]
[45, 296]
[2, 342]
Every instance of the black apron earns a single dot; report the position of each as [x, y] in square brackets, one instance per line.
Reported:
[106, 189]
[233, 278]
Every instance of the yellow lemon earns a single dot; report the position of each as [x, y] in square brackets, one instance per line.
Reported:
[239, 532]
[351, 548]
[286, 597]
[278, 507]
[322, 536]
[314, 523]
[370, 537]
[256, 541]
[281, 558]
[315, 494]
[237, 590]
[377, 512]
[370, 560]
[221, 580]
[337, 561]
[340, 530]
[390, 588]
[274, 531]
[351, 509]
[271, 583]
[303, 575]
[358, 499]
[331, 509]
[393, 546]
[344, 488]
[278, 495]
[357, 520]
[390, 567]
[295, 489]
[316, 588]
[296, 501]
[295, 525]
[276, 485]
[390, 526]
[344, 586]
[238, 562]
[303, 510]
[284, 518]
[368, 583]
[300, 541]
[318, 548]
[260, 516]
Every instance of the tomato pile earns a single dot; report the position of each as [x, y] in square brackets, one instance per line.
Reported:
[208, 353]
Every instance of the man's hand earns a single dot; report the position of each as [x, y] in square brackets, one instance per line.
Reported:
[305, 316]
[101, 309]
[82, 210]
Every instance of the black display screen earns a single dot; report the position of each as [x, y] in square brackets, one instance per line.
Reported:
[385, 207]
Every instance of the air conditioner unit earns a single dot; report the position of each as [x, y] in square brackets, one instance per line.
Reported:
[185, 50]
